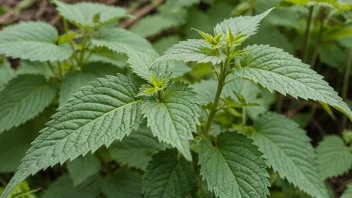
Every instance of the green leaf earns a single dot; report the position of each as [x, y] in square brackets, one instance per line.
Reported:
[6, 73]
[280, 71]
[13, 147]
[124, 183]
[33, 41]
[169, 175]
[142, 63]
[152, 24]
[137, 149]
[28, 67]
[72, 83]
[24, 98]
[81, 168]
[334, 158]
[104, 55]
[252, 93]
[195, 50]
[63, 187]
[120, 40]
[99, 114]
[166, 42]
[288, 151]
[22, 190]
[90, 15]
[77, 79]
[174, 118]
[348, 192]
[234, 167]
[243, 25]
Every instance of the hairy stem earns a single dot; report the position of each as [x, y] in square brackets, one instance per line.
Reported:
[214, 108]
[306, 34]
[84, 47]
[346, 82]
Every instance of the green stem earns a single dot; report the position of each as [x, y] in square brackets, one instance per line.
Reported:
[317, 45]
[65, 25]
[306, 34]
[60, 71]
[53, 71]
[84, 47]
[346, 82]
[214, 108]
[244, 115]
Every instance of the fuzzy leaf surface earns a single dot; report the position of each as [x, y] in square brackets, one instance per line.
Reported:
[277, 70]
[89, 14]
[169, 176]
[33, 41]
[97, 115]
[24, 98]
[245, 25]
[195, 50]
[288, 151]
[234, 167]
[174, 118]
[334, 158]
[137, 149]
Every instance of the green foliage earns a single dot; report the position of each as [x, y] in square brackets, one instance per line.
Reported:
[233, 168]
[137, 149]
[265, 65]
[24, 98]
[90, 15]
[123, 183]
[82, 168]
[348, 192]
[169, 175]
[95, 84]
[334, 157]
[288, 151]
[173, 117]
[63, 187]
[18, 41]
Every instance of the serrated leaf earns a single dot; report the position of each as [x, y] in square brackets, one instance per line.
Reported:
[120, 40]
[280, 71]
[13, 146]
[334, 158]
[124, 183]
[174, 118]
[234, 167]
[288, 151]
[24, 98]
[19, 41]
[75, 80]
[243, 25]
[348, 192]
[104, 55]
[142, 63]
[81, 168]
[168, 175]
[195, 50]
[38, 68]
[137, 149]
[87, 14]
[97, 115]
[63, 187]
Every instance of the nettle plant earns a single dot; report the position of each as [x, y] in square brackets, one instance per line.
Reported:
[182, 153]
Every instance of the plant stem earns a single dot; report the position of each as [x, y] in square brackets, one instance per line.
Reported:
[60, 71]
[53, 71]
[317, 45]
[84, 47]
[244, 115]
[346, 82]
[213, 110]
[306, 34]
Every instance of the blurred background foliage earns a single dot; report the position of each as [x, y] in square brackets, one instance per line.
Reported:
[318, 32]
